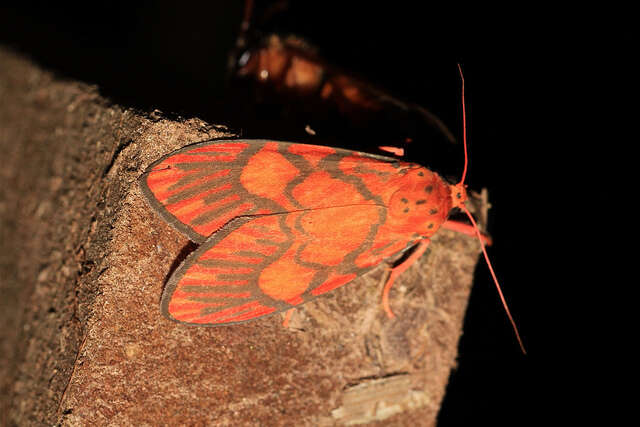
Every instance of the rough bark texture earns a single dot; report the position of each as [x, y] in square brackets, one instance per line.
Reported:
[83, 261]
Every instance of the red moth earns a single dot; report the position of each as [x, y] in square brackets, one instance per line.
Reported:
[280, 223]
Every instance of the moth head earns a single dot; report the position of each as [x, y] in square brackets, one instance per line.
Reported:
[458, 195]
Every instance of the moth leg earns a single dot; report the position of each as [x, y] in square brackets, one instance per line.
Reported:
[397, 270]
[396, 151]
[287, 317]
[399, 151]
[467, 229]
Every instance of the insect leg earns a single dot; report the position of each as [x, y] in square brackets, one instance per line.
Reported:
[396, 151]
[467, 229]
[287, 317]
[397, 270]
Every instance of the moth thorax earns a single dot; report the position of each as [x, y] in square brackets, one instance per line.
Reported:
[420, 204]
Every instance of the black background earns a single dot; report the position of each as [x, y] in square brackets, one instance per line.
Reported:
[172, 57]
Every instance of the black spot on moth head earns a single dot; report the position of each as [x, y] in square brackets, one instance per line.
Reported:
[428, 189]
[421, 202]
[405, 210]
[433, 211]
[420, 173]
[430, 226]
[403, 200]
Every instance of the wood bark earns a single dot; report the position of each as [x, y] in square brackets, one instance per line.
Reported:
[83, 261]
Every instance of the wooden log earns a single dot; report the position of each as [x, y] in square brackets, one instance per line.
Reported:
[84, 262]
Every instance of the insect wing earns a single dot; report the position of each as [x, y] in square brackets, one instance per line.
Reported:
[195, 188]
[201, 187]
[279, 223]
[255, 266]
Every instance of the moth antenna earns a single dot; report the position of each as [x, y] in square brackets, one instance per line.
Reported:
[464, 129]
[473, 222]
[495, 280]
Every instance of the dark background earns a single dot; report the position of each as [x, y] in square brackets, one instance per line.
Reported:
[173, 57]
